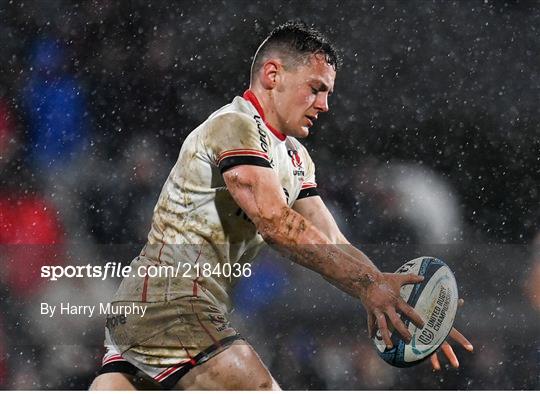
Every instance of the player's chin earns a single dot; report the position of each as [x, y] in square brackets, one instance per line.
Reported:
[300, 131]
[303, 132]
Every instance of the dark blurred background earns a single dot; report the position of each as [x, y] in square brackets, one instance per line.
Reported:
[432, 145]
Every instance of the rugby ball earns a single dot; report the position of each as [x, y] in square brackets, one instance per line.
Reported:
[436, 300]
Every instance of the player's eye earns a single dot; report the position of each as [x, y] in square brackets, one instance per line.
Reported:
[314, 91]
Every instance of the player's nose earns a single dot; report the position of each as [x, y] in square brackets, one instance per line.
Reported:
[321, 103]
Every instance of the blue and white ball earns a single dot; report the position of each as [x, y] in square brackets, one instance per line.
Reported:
[436, 300]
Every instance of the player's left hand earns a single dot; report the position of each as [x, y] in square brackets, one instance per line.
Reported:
[447, 349]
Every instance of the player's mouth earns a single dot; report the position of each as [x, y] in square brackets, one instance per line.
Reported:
[311, 120]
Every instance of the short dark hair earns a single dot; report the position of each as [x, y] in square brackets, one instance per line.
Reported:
[296, 40]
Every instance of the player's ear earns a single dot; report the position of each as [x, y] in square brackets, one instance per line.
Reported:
[270, 73]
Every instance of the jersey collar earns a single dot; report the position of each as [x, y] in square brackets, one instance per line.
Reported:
[250, 96]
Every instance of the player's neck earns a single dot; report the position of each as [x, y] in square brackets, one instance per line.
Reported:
[263, 100]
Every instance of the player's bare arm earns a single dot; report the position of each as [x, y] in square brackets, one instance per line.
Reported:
[314, 210]
[257, 191]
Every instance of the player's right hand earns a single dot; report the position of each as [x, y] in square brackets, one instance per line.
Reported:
[382, 301]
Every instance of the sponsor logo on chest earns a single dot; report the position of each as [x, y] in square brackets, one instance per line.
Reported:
[263, 137]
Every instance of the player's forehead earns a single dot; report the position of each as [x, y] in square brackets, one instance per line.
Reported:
[317, 71]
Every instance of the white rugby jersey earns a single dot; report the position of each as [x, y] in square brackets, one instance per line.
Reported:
[196, 219]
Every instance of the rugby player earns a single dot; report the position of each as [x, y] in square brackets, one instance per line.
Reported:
[242, 179]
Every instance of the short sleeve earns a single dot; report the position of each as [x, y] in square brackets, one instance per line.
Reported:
[234, 139]
[309, 185]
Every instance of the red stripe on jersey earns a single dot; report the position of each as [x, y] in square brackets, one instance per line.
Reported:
[242, 152]
[308, 185]
[169, 371]
[250, 96]
[195, 280]
[146, 277]
[113, 358]
[145, 288]
[158, 376]
[195, 287]
[216, 342]
[191, 359]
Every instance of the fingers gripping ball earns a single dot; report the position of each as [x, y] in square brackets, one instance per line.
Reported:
[436, 300]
